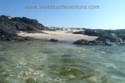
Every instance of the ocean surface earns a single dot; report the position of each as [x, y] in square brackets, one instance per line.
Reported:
[49, 62]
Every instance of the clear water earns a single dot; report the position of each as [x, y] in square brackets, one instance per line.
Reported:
[47, 62]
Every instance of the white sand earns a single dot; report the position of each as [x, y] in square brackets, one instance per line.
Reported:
[59, 35]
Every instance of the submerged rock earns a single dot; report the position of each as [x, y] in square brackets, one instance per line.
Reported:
[53, 40]
[94, 42]
[86, 42]
[2, 59]
[68, 55]
[106, 79]
[30, 80]
[3, 80]
[71, 72]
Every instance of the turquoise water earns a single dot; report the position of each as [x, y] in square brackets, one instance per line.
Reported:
[47, 62]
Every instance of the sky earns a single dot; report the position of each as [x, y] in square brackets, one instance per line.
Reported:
[109, 15]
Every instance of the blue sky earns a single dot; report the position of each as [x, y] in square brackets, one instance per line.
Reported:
[110, 15]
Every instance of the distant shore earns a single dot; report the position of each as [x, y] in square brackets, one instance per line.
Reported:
[26, 29]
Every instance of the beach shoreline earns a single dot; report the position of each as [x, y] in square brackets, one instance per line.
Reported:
[61, 36]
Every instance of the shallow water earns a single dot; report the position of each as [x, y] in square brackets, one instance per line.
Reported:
[49, 62]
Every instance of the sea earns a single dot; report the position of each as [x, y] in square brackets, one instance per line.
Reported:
[56, 62]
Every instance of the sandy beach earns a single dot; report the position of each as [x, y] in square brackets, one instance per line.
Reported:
[66, 36]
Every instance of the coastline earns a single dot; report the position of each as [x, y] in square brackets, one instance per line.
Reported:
[26, 29]
[61, 36]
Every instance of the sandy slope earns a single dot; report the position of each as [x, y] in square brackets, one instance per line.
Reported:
[59, 35]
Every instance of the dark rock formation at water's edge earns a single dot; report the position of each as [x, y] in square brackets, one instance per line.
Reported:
[9, 36]
[10, 26]
[105, 37]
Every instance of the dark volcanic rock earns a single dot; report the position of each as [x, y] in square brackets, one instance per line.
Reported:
[105, 37]
[27, 24]
[26, 20]
[110, 37]
[85, 42]
[8, 36]
[6, 24]
[30, 80]
[4, 35]
[94, 42]
[10, 26]
[17, 23]
[91, 32]
[53, 40]
[78, 32]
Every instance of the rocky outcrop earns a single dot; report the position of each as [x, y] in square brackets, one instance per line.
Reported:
[9, 36]
[89, 32]
[105, 37]
[86, 42]
[94, 42]
[4, 35]
[78, 32]
[111, 37]
[25, 24]
[53, 40]
[10, 26]
[20, 24]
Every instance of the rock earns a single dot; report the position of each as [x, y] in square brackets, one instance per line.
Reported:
[3, 79]
[110, 38]
[7, 36]
[22, 24]
[27, 24]
[105, 37]
[10, 26]
[6, 24]
[94, 42]
[4, 35]
[53, 40]
[85, 42]
[72, 72]
[81, 42]
[107, 42]
[2, 59]
[68, 55]
[91, 32]
[30, 80]
[26, 20]
[41, 80]
[78, 32]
